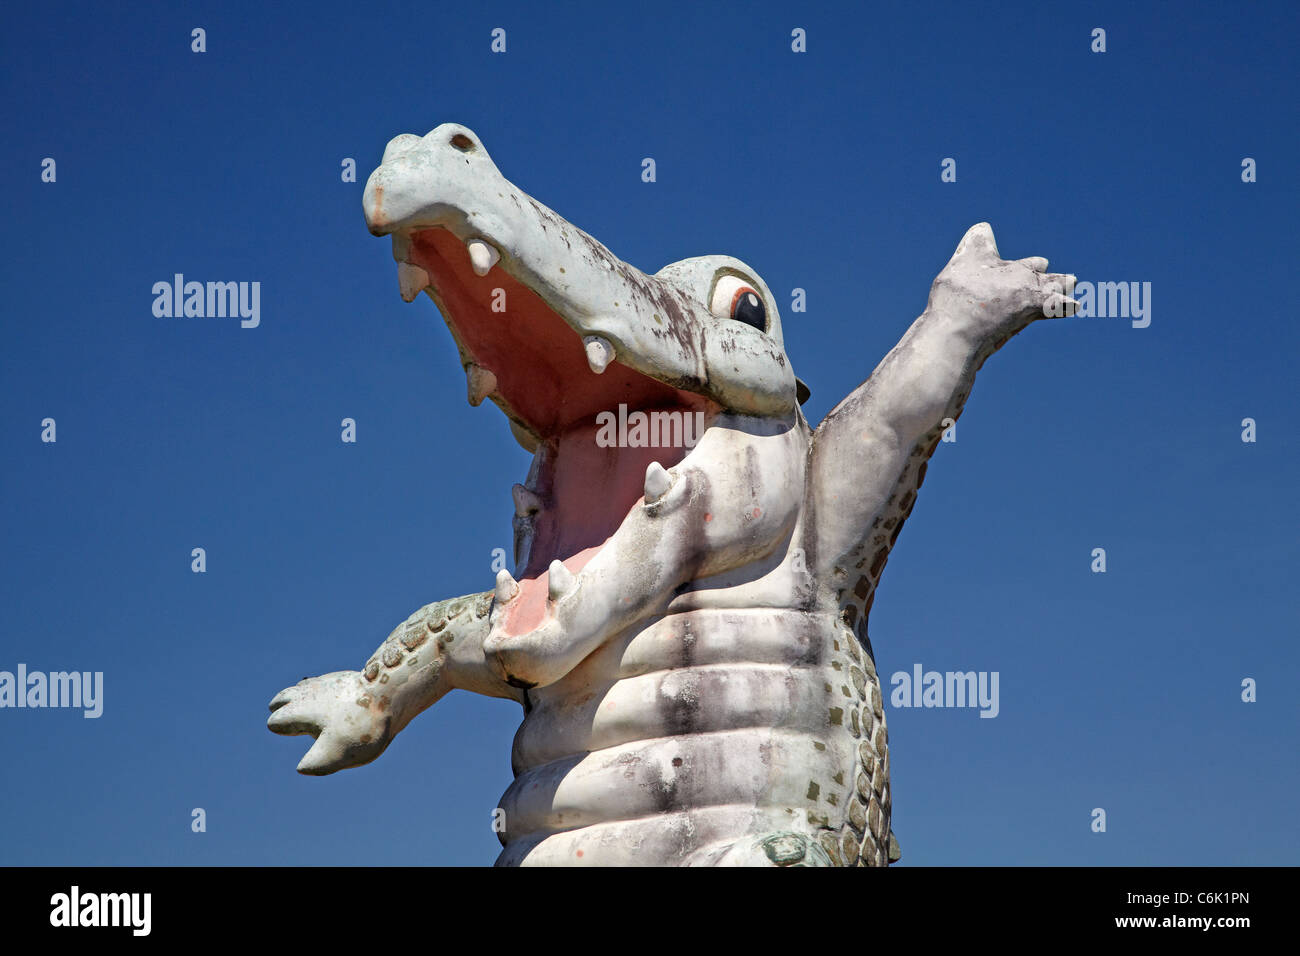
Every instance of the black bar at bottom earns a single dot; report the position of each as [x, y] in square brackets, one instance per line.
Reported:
[340, 905]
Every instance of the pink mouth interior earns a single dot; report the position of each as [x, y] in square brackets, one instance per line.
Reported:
[542, 374]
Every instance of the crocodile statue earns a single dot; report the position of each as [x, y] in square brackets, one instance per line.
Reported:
[687, 631]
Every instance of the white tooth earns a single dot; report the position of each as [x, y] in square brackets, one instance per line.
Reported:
[526, 502]
[482, 383]
[561, 581]
[482, 256]
[401, 247]
[507, 588]
[657, 482]
[525, 438]
[411, 279]
[599, 353]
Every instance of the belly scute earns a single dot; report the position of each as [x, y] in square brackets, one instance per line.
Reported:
[669, 738]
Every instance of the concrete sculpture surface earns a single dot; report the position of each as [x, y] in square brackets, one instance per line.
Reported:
[687, 634]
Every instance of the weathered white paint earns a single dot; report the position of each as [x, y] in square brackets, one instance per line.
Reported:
[699, 684]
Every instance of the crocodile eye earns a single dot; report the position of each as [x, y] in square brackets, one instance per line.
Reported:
[748, 308]
[733, 299]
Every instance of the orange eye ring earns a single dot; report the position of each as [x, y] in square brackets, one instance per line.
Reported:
[735, 298]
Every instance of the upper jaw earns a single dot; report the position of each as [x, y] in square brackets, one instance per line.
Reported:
[528, 358]
[445, 185]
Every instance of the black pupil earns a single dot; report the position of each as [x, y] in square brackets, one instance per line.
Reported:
[749, 309]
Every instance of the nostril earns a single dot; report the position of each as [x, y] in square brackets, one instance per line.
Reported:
[462, 142]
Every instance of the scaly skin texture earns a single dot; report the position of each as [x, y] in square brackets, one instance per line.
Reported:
[688, 634]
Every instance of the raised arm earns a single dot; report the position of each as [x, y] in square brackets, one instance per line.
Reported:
[354, 715]
[869, 454]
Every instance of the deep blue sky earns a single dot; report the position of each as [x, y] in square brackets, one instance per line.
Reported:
[821, 170]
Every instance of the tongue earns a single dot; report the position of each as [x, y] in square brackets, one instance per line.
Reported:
[592, 491]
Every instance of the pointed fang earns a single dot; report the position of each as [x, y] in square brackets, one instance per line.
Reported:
[526, 502]
[482, 257]
[411, 280]
[507, 587]
[657, 482]
[481, 382]
[561, 581]
[599, 353]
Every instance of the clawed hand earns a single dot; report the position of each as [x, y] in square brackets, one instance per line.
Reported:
[1000, 296]
[349, 720]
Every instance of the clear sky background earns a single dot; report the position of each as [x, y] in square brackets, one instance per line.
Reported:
[821, 170]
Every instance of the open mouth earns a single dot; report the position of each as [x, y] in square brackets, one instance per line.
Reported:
[564, 391]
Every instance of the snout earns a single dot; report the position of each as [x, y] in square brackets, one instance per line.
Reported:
[425, 180]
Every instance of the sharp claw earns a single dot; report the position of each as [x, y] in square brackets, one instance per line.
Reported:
[287, 725]
[316, 761]
[979, 241]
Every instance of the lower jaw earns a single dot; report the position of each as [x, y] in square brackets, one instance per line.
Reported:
[589, 490]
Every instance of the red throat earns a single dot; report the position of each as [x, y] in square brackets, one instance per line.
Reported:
[542, 375]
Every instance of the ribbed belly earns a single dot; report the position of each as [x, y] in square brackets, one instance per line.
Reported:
[680, 702]
[663, 840]
[702, 726]
[656, 800]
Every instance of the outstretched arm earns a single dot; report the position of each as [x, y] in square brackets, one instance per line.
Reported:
[355, 714]
[893, 420]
